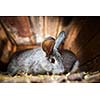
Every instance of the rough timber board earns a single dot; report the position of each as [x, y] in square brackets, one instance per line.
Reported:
[88, 31]
[91, 50]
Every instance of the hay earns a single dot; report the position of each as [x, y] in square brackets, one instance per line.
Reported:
[88, 78]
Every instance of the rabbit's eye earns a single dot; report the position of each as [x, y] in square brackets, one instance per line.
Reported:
[52, 60]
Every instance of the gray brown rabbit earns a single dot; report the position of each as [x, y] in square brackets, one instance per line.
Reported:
[46, 59]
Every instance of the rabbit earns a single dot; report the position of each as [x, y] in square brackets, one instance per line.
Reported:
[45, 59]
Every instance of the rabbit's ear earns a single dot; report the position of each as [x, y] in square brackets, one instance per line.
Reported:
[61, 47]
[59, 42]
[47, 45]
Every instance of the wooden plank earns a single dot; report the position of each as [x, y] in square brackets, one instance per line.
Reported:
[18, 24]
[92, 65]
[23, 25]
[90, 28]
[35, 23]
[6, 48]
[52, 25]
[91, 50]
[76, 25]
[38, 27]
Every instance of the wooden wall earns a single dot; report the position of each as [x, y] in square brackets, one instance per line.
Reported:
[83, 37]
[84, 41]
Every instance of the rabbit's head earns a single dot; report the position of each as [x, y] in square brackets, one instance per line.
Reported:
[53, 64]
[51, 47]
